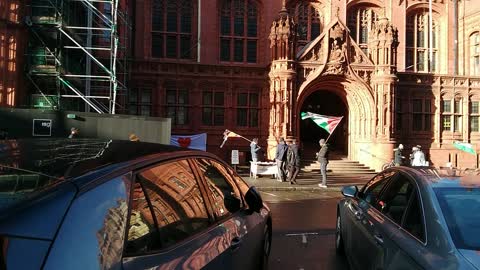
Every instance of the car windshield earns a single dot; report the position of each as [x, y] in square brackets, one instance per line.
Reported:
[461, 208]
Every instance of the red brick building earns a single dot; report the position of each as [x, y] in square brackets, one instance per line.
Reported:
[249, 66]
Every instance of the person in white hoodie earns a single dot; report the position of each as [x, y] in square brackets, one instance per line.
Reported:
[418, 157]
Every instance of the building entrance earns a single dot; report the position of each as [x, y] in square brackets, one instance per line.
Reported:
[326, 103]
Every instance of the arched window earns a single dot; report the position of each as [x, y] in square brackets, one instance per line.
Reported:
[360, 21]
[238, 31]
[417, 43]
[172, 29]
[12, 54]
[309, 22]
[475, 54]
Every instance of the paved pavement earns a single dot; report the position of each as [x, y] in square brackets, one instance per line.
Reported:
[303, 230]
[308, 181]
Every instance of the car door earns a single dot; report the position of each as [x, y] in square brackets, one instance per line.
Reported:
[170, 226]
[360, 244]
[409, 242]
[386, 220]
[244, 229]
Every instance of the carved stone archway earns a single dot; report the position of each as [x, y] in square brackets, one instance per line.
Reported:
[360, 106]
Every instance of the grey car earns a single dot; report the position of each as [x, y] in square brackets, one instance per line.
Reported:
[411, 218]
[103, 204]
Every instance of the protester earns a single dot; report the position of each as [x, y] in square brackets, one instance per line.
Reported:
[280, 158]
[398, 158]
[293, 162]
[254, 149]
[133, 138]
[418, 157]
[322, 158]
[73, 133]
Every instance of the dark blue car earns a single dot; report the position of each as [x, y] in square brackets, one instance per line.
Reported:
[102, 204]
[412, 218]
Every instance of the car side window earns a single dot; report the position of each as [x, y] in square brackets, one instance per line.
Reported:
[225, 195]
[372, 189]
[142, 230]
[173, 194]
[394, 200]
[413, 221]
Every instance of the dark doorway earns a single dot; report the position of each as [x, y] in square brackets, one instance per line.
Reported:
[325, 103]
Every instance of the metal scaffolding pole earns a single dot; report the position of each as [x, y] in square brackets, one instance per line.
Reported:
[82, 37]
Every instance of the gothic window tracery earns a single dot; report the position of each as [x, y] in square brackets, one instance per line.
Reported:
[418, 42]
[172, 29]
[360, 22]
[309, 22]
[238, 31]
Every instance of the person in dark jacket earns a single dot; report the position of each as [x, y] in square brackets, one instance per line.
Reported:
[322, 158]
[293, 162]
[254, 149]
[280, 158]
[398, 158]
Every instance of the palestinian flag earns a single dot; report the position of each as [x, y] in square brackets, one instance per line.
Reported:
[329, 123]
[464, 147]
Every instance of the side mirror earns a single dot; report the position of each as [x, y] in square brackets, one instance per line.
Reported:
[350, 191]
[253, 199]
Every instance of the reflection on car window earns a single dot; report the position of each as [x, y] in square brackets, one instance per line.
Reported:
[175, 198]
[373, 187]
[226, 196]
[394, 199]
[142, 232]
[413, 221]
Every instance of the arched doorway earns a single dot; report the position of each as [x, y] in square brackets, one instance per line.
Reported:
[326, 103]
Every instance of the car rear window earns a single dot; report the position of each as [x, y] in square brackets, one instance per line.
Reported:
[19, 185]
[461, 208]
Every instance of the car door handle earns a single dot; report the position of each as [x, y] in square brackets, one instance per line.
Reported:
[236, 243]
[378, 238]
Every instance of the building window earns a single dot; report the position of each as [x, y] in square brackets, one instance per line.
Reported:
[140, 101]
[172, 26]
[177, 104]
[309, 22]
[13, 12]
[452, 115]
[238, 31]
[474, 116]
[399, 114]
[11, 96]
[418, 42]
[247, 109]
[107, 11]
[360, 23]
[422, 114]
[2, 52]
[475, 54]
[213, 110]
[12, 54]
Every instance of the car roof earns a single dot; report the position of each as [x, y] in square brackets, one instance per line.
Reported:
[442, 177]
[70, 158]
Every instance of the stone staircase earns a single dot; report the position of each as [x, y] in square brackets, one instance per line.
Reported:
[340, 172]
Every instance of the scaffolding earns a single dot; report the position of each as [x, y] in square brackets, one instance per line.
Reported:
[77, 54]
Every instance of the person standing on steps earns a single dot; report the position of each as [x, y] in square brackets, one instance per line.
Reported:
[322, 158]
[293, 162]
[280, 158]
